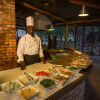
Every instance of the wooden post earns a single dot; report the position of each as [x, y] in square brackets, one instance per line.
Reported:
[17, 37]
[66, 35]
[92, 40]
[75, 28]
[79, 40]
[83, 34]
[41, 36]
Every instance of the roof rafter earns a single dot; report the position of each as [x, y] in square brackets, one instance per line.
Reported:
[79, 21]
[82, 2]
[42, 11]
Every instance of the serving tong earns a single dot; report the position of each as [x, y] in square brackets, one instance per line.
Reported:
[28, 76]
[11, 84]
[53, 70]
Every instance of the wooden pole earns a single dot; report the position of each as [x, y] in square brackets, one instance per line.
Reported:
[17, 38]
[75, 28]
[79, 40]
[83, 34]
[80, 21]
[66, 35]
[41, 36]
[92, 40]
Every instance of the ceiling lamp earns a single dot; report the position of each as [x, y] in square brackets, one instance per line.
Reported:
[50, 27]
[46, 3]
[83, 11]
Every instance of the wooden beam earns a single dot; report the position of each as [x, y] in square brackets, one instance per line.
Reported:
[83, 34]
[83, 2]
[20, 17]
[84, 21]
[75, 33]
[66, 35]
[80, 21]
[41, 11]
[93, 37]
[59, 24]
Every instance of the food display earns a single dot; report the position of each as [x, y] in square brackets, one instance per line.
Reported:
[53, 70]
[42, 73]
[73, 68]
[80, 60]
[26, 78]
[48, 78]
[46, 83]
[28, 92]
[76, 70]
[59, 77]
[64, 71]
[69, 73]
[10, 87]
[72, 57]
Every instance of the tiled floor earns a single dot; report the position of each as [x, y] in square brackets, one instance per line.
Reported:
[92, 91]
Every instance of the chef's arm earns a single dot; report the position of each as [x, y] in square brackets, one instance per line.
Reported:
[20, 51]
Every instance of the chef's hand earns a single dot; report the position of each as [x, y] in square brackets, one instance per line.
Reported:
[22, 65]
[42, 60]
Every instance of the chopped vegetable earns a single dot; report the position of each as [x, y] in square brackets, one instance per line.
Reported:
[47, 83]
[42, 73]
[67, 73]
[73, 68]
[59, 78]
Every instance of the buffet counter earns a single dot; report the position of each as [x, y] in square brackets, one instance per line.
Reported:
[72, 90]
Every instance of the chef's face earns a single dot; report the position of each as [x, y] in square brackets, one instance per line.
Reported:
[30, 29]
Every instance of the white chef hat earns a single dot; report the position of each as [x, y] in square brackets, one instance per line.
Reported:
[29, 21]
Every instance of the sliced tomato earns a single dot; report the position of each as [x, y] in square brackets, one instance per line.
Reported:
[42, 73]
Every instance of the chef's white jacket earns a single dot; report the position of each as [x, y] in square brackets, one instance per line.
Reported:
[29, 45]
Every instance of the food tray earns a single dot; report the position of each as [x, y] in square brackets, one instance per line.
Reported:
[28, 92]
[76, 71]
[23, 79]
[44, 74]
[11, 87]
[65, 71]
[60, 82]
[48, 89]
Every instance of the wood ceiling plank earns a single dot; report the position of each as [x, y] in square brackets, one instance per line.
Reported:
[84, 21]
[79, 21]
[82, 2]
[41, 11]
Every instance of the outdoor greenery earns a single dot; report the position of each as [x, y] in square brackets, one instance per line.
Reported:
[91, 36]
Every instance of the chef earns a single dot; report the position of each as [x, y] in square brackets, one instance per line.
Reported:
[29, 49]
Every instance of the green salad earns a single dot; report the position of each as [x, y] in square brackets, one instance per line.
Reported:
[47, 83]
[73, 68]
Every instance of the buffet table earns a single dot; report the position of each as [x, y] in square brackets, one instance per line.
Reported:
[73, 90]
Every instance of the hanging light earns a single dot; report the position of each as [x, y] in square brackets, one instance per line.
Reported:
[83, 11]
[50, 27]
